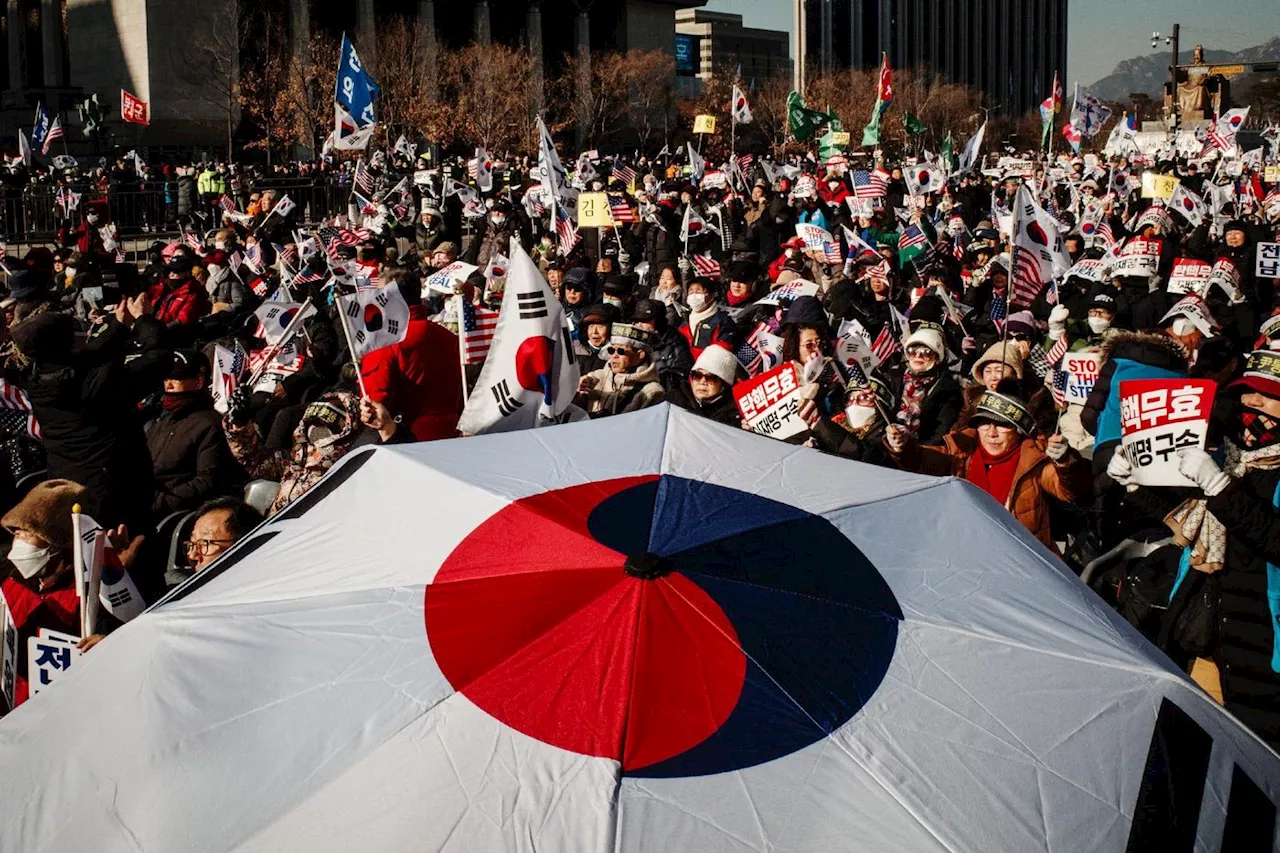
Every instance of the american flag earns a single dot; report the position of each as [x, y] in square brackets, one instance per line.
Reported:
[306, 276]
[868, 185]
[15, 410]
[228, 203]
[193, 241]
[886, 343]
[566, 231]
[625, 174]
[252, 257]
[1058, 387]
[363, 179]
[913, 236]
[745, 161]
[1057, 351]
[55, 132]
[750, 358]
[1027, 283]
[999, 311]
[620, 210]
[1104, 234]
[706, 266]
[331, 237]
[477, 326]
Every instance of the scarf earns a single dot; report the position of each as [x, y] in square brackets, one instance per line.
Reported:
[914, 389]
[696, 317]
[994, 474]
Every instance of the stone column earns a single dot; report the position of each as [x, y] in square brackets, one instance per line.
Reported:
[51, 41]
[483, 27]
[533, 29]
[430, 45]
[300, 30]
[366, 33]
[582, 67]
[15, 26]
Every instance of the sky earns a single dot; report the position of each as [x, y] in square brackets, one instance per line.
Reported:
[1097, 36]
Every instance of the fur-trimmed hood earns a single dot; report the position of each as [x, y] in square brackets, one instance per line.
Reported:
[1155, 349]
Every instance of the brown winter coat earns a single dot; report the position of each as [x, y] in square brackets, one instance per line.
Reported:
[1035, 478]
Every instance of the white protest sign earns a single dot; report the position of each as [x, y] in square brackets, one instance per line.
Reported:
[49, 656]
[442, 279]
[1082, 371]
[789, 291]
[8, 652]
[1190, 276]
[770, 403]
[1225, 275]
[1268, 261]
[1158, 417]
[1138, 258]
[861, 207]
[1088, 269]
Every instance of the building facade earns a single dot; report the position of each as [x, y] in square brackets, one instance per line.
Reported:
[185, 56]
[718, 40]
[1009, 49]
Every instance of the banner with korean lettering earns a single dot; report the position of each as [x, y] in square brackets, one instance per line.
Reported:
[1082, 372]
[50, 655]
[8, 653]
[1267, 261]
[1158, 417]
[1190, 276]
[770, 403]
[133, 109]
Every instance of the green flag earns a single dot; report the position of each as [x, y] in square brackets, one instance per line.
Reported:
[871, 133]
[912, 125]
[826, 142]
[948, 152]
[804, 121]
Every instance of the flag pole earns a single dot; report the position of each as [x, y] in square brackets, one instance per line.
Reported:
[351, 347]
[274, 349]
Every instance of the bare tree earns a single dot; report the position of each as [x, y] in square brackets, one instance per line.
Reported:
[487, 85]
[210, 64]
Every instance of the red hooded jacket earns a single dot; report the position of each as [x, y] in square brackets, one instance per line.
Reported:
[419, 378]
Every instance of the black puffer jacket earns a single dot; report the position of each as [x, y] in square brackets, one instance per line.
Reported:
[940, 408]
[673, 359]
[722, 410]
[1246, 628]
[190, 457]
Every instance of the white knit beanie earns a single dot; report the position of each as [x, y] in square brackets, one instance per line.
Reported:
[931, 338]
[718, 361]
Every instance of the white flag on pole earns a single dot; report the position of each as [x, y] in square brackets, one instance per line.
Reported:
[697, 163]
[530, 377]
[972, 148]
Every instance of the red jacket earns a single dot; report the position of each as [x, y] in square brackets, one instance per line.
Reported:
[419, 378]
[58, 609]
[184, 305]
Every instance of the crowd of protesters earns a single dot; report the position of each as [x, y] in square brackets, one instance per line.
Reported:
[117, 362]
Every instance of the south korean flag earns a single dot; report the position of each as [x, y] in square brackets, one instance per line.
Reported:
[375, 318]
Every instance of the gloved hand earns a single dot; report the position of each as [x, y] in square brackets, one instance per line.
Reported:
[1056, 448]
[896, 438]
[624, 261]
[1058, 322]
[238, 413]
[1120, 469]
[1199, 467]
[683, 264]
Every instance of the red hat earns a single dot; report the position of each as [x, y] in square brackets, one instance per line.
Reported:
[794, 243]
[1261, 374]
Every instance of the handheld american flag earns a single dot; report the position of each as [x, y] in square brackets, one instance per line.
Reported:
[15, 410]
[476, 327]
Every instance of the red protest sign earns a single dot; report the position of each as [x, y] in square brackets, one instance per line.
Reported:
[1190, 276]
[133, 109]
[770, 403]
[1158, 417]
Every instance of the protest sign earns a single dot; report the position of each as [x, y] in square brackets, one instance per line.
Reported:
[1271, 174]
[49, 656]
[789, 291]
[1082, 371]
[1157, 418]
[1158, 186]
[442, 280]
[593, 211]
[8, 652]
[1088, 269]
[704, 124]
[1190, 276]
[1267, 264]
[1138, 258]
[1225, 275]
[770, 403]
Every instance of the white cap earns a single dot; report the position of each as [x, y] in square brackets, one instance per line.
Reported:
[930, 338]
[719, 362]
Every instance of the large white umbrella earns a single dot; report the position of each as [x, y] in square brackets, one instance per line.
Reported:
[645, 633]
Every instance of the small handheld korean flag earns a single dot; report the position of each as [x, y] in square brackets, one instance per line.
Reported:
[1189, 205]
[741, 109]
[228, 369]
[275, 319]
[530, 377]
[284, 206]
[376, 317]
[101, 576]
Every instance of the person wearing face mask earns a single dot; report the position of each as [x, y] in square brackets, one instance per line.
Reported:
[858, 432]
[928, 399]
[189, 452]
[328, 429]
[1229, 532]
[708, 322]
[1001, 453]
[707, 388]
[499, 227]
[86, 237]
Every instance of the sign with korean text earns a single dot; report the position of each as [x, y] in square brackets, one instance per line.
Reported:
[770, 403]
[133, 109]
[704, 124]
[1158, 417]
[1267, 264]
[1082, 371]
[593, 211]
[8, 653]
[1271, 174]
[1138, 258]
[840, 137]
[1158, 186]
[1190, 276]
[790, 291]
[50, 655]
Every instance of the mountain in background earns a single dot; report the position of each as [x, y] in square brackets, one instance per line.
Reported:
[1148, 74]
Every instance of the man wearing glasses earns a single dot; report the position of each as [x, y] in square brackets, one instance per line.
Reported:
[221, 523]
[630, 381]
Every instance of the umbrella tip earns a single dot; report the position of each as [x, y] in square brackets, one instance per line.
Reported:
[646, 566]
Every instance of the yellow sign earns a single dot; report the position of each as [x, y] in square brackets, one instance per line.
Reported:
[1158, 186]
[593, 211]
[704, 124]
[1227, 70]
[840, 137]
[1271, 174]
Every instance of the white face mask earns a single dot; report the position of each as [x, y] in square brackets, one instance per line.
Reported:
[498, 220]
[28, 559]
[92, 219]
[71, 272]
[1098, 325]
[696, 301]
[220, 245]
[859, 416]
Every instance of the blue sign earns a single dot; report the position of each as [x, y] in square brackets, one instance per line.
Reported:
[355, 90]
[686, 54]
